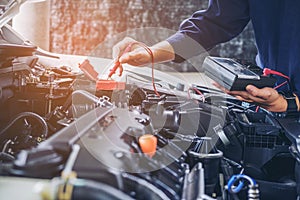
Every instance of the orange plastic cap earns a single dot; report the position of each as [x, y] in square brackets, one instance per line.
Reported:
[148, 144]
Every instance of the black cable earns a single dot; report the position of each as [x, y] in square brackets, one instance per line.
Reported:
[28, 114]
[6, 157]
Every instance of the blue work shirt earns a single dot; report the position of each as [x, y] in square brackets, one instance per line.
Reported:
[276, 24]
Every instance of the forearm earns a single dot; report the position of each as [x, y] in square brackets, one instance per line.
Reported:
[220, 22]
[162, 52]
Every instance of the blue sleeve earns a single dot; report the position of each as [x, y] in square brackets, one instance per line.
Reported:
[222, 21]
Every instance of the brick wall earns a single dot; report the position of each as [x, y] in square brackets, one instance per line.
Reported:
[91, 27]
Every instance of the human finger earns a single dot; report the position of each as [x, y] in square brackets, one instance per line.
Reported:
[240, 95]
[138, 57]
[120, 47]
[263, 95]
[217, 85]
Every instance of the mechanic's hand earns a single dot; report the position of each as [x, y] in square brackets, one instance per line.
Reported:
[136, 56]
[267, 98]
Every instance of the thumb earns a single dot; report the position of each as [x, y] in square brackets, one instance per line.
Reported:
[251, 89]
[264, 93]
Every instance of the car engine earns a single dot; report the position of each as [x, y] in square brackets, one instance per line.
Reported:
[85, 137]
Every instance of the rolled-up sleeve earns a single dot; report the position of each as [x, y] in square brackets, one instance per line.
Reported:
[222, 21]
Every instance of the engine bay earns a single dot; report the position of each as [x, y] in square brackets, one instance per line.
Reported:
[89, 138]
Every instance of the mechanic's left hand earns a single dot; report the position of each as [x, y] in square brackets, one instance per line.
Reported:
[267, 98]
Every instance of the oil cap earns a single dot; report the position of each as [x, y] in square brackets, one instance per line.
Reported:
[148, 144]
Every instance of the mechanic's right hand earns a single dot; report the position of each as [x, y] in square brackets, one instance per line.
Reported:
[267, 97]
[136, 56]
